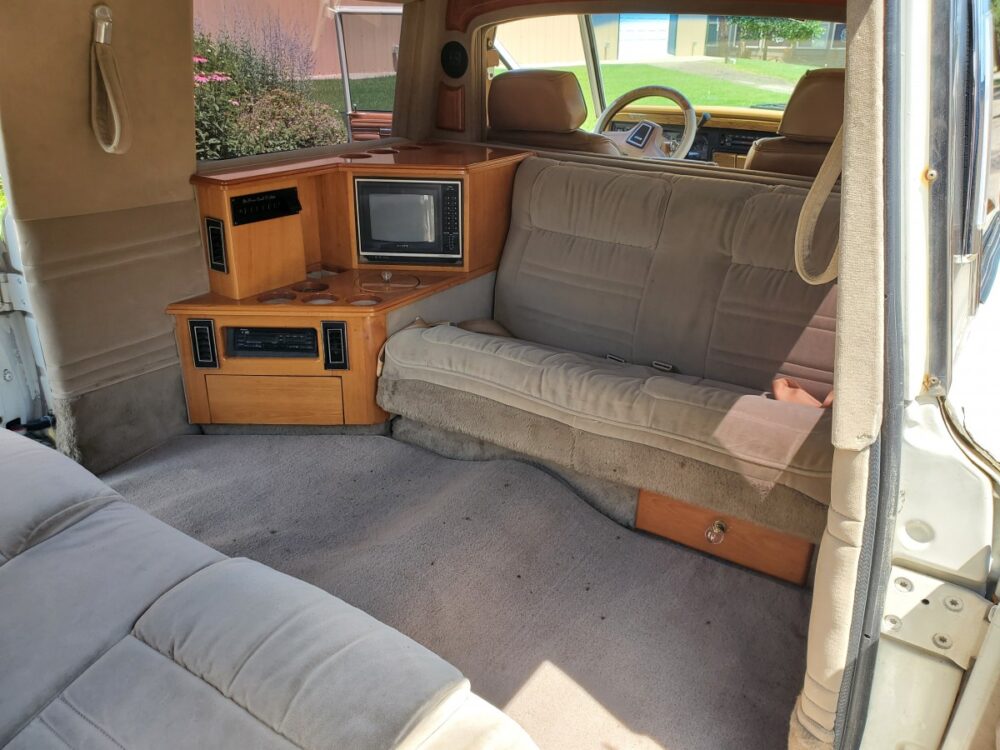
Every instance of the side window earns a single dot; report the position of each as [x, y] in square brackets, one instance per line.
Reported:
[268, 80]
[550, 42]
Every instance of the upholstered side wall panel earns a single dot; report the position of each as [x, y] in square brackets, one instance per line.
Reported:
[55, 166]
[106, 240]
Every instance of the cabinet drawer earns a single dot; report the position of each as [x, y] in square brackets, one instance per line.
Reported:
[762, 549]
[275, 399]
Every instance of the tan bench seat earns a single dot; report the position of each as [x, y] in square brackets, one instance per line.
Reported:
[717, 423]
[118, 631]
[693, 273]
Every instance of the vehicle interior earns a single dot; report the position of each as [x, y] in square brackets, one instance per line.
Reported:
[547, 410]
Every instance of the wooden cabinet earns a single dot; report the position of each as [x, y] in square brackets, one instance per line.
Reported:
[282, 251]
[224, 386]
[267, 254]
[257, 256]
[274, 399]
[734, 539]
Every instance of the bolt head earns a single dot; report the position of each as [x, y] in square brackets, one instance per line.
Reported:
[892, 622]
[903, 584]
[8, 376]
[942, 640]
[953, 603]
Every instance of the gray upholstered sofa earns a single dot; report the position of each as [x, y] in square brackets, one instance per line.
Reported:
[116, 631]
[648, 315]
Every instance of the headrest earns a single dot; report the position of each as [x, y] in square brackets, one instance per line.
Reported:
[547, 101]
[815, 110]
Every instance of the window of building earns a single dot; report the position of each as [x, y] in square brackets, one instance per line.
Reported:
[270, 77]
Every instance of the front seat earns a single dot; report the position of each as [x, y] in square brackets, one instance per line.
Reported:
[543, 108]
[811, 120]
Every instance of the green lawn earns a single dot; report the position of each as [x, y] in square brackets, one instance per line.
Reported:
[699, 89]
[789, 72]
[369, 94]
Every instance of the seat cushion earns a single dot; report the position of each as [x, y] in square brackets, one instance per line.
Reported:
[727, 426]
[787, 156]
[118, 631]
[33, 510]
[69, 599]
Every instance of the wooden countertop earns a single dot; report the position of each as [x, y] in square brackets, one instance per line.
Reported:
[400, 158]
[342, 288]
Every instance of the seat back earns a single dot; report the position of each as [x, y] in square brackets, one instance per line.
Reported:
[542, 108]
[697, 272]
[811, 120]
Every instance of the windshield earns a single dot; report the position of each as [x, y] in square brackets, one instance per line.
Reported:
[736, 61]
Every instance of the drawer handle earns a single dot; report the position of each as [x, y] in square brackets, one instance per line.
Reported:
[716, 533]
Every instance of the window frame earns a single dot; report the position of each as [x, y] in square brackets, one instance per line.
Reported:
[337, 12]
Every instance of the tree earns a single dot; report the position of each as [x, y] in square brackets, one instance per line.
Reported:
[769, 30]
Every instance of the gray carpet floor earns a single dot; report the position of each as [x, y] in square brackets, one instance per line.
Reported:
[588, 634]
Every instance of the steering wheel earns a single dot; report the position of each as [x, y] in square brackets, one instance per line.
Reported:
[646, 138]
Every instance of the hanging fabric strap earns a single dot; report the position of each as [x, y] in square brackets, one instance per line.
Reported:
[108, 110]
[826, 178]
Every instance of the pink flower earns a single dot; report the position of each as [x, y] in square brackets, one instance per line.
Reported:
[234, 102]
[199, 59]
[200, 79]
[219, 77]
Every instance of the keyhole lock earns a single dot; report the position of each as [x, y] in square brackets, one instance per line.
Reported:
[716, 533]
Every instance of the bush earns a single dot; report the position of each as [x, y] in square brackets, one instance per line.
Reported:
[283, 120]
[251, 95]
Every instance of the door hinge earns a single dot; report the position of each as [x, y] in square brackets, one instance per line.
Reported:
[944, 619]
[13, 292]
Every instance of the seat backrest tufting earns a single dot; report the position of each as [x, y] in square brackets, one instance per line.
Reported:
[693, 271]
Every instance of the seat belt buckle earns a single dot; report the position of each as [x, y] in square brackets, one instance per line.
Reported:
[663, 366]
[615, 358]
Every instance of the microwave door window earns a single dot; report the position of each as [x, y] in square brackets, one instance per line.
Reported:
[406, 218]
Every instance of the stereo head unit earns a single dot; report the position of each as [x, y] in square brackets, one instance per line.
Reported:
[272, 342]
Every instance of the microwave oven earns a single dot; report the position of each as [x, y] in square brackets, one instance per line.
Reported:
[412, 221]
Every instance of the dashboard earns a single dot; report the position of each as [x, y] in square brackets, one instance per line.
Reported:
[725, 138]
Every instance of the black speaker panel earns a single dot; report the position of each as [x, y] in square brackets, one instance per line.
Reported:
[454, 59]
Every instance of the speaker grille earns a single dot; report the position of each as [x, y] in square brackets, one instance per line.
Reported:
[335, 345]
[203, 343]
[215, 235]
[454, 59]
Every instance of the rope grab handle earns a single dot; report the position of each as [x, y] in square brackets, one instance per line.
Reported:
[805, 230]
[109, 115]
